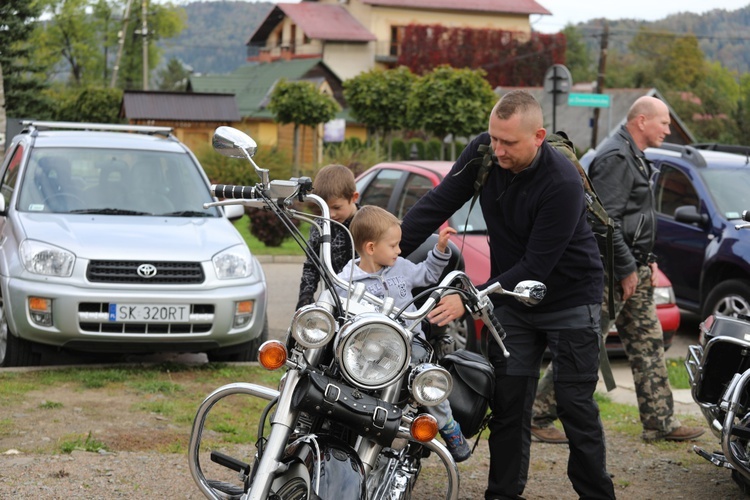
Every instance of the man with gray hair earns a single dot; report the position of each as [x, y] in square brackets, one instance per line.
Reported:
[621, 175]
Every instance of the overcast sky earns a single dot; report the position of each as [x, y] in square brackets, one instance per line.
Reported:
[576, 11]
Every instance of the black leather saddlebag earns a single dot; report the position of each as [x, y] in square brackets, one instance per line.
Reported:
[473, 387]
[366, 415]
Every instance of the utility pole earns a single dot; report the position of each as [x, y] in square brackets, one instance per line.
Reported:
[120, 44]
[144, 34]
[600, 82]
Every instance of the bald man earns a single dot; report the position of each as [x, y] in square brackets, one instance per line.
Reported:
[621, 176]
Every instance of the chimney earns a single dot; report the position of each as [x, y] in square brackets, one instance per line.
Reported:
[264, 56]
[286, 53]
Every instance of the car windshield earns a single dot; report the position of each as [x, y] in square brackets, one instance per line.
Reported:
[730, 190]
[113, 182]
[475, 224]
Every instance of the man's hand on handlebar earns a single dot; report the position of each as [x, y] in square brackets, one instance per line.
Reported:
[449, 308]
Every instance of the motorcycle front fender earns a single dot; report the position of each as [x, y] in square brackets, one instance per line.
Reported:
[333, 468]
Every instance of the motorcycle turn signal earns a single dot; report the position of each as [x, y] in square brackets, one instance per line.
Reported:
[424, 428]
[272, 355]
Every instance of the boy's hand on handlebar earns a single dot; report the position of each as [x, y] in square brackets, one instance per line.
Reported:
[445, 233]
[449, 308]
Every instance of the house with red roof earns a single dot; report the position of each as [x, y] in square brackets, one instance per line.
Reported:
[352, 36]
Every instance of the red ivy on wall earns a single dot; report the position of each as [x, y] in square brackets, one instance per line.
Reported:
[511, 59]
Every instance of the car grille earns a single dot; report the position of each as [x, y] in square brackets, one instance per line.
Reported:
[94, 317]
[126, 271]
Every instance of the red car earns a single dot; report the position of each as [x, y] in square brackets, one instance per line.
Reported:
[396, 186]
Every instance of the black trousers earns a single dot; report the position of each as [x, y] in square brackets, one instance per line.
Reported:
[573, 339]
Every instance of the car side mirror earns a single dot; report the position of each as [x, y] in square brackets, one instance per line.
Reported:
[689, 215]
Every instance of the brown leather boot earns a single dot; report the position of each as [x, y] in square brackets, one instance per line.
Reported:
[684, 433]
[549, 434]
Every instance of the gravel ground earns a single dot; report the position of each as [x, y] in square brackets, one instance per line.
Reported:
[140, 465]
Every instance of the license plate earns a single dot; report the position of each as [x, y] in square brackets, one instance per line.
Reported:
[149, 313]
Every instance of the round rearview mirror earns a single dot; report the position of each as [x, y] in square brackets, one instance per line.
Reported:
[229, 141]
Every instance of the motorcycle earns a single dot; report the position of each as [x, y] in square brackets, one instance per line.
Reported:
[348, 419]
[719, 372]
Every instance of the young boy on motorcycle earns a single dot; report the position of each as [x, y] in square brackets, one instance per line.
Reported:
[377, 233]
[335, 184]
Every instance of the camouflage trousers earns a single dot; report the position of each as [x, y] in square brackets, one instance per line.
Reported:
[643, 342]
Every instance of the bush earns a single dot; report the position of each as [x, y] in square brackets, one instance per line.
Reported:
[267, 227]
[224, 170]
[433, 150]
[399, 150]
[357, 159]
[420, 148]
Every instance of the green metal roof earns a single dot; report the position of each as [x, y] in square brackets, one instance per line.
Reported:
[252, 83]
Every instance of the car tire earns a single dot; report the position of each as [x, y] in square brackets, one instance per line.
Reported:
[243, 352]
[729, 298]
[15, 351]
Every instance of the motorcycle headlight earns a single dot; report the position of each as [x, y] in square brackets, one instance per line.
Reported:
[235, 262]
[312, 326]
[373, 350]
[47, 260]
[430, 384]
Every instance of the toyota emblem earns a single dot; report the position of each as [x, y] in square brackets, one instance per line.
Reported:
[147, 270]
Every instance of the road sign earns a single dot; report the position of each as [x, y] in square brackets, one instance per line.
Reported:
[557, 79]
[590, 100]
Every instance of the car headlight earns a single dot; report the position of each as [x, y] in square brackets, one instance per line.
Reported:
[373, 350]
[47, 260]
[663, 295]
[235, 262]
[313, 326]
[430, 384]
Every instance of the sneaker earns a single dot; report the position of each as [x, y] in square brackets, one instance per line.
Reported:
[455, 441]
[549, 434]
[684, 433]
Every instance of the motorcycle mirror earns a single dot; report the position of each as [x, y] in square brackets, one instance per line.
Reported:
[233, 143]
[530, 292]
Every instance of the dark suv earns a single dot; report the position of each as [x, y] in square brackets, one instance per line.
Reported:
[700, 195]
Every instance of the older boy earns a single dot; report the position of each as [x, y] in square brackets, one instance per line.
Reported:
[335, 184]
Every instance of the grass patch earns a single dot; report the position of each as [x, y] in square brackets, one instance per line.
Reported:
[93, 379]
[158, 387]
[50, 405]
[678, 375]
[86, 443]
[257, 247]
[618, 416]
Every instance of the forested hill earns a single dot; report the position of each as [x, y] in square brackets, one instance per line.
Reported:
[723, 35]
[217, 31]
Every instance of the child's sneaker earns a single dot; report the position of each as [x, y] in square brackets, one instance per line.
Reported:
[455, 441]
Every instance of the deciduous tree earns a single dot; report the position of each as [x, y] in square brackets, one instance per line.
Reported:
[301, 103]
[378, 98]
[451, 101]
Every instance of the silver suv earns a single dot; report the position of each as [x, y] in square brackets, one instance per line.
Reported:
[105, 247]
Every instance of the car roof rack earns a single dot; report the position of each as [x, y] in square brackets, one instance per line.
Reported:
[726, 148]
[141, 129]
[687, 152]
